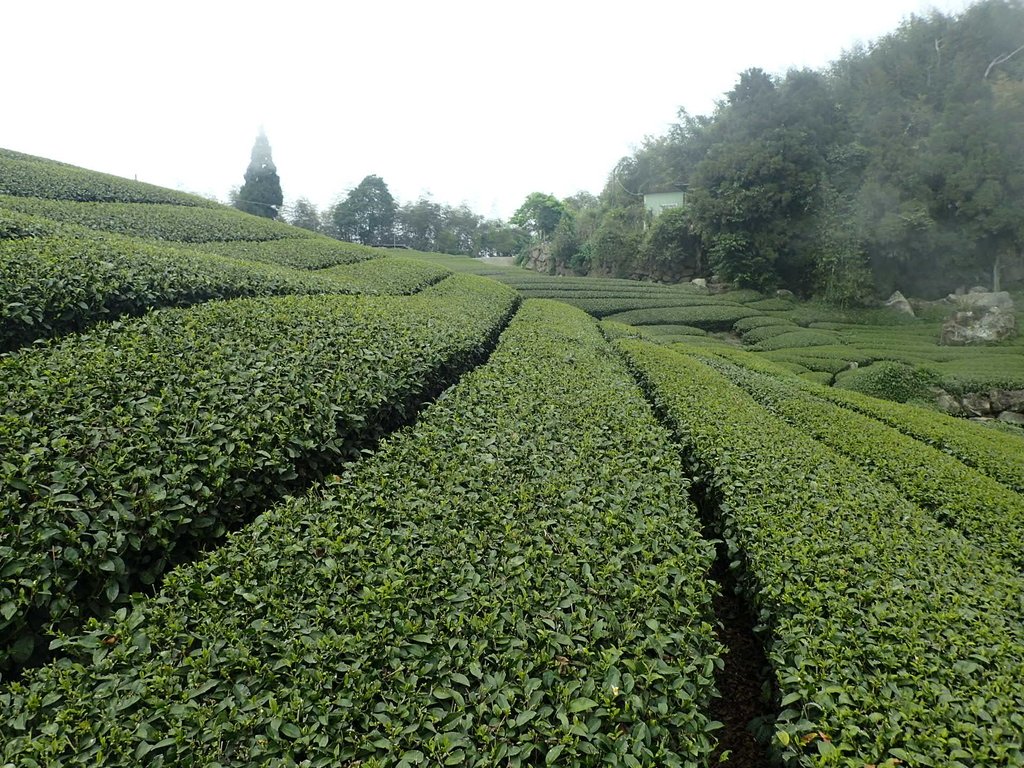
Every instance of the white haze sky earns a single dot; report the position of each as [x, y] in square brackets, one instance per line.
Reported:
[477, 102]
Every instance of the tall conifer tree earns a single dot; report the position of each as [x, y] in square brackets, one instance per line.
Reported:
[261, 193]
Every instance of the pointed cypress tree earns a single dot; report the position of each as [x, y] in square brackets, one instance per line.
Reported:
[261, 193]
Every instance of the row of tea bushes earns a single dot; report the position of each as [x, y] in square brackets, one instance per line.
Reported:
[67, 282]
[710, 317]
[892, 638]
[299, 253]
[986, 511]
[516, 579]
[603, 307]
[158, 221]
[388, 275]
[992, 453]
[72, 278]
[121, 447]
[28, 176]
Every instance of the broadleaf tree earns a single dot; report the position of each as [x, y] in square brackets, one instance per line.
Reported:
[367, 214]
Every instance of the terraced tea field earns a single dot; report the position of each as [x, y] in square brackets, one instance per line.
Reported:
[273, 499]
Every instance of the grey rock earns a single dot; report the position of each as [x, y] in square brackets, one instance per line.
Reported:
[1012, 417]
[978, 327]
[977, 404]
[984, 300]
[949, 404]
[899, 303]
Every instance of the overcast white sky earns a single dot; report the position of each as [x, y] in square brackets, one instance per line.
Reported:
[478, 102]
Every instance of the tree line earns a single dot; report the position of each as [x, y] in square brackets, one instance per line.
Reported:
[898, 166]
[369, 214]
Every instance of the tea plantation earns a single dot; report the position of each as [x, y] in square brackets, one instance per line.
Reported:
[272, 499]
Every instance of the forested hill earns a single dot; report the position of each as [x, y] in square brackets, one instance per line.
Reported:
[899, 166]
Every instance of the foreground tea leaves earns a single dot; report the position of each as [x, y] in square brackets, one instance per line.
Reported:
[123, 447]
[516, 579]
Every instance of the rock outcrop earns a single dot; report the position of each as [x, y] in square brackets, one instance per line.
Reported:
[982, 317]
[899, 303]
[1003, 404]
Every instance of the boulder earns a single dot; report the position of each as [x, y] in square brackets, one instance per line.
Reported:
[782, 293]
[983, 300]
[978, 327]
[899, 303]
[977, 404]
[1012, 417]
[1007, 399]
[949, 404]
[700, 282]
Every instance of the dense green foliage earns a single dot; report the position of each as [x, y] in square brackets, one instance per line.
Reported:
[158, 221]
[304, 253]
[517, 579]
[261, 193]
[539, 214]
[120, 444]
[711, 317]
[890, 380]
[369, 214]
[59, 278]
[386, 275]
[366, 215]
[890, 636]
[428, 226]
[900, 165]
[28, 176]
[986, 511]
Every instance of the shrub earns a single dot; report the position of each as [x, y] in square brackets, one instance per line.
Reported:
[889, 380]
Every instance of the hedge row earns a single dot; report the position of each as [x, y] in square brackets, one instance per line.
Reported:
[712, 317]
[763, 332]
[65, 283]
[516, 579]
[158, 221]
[674, 330]
[892, 639]
[745, 324]
[305, 253]
[389, 275]
[798, 339]
[995, 454]
[14, 225]
[597, 292]
[985, 510]
[50, 286]
[27, 176]
[124, 446]
[604, 307]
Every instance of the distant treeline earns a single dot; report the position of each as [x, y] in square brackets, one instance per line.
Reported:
[369, 214]
[900, 165]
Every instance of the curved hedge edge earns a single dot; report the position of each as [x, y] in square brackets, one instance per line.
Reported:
[73, 278]
[159, 221]
[391, 275]
[314, 253]
[24, 175]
